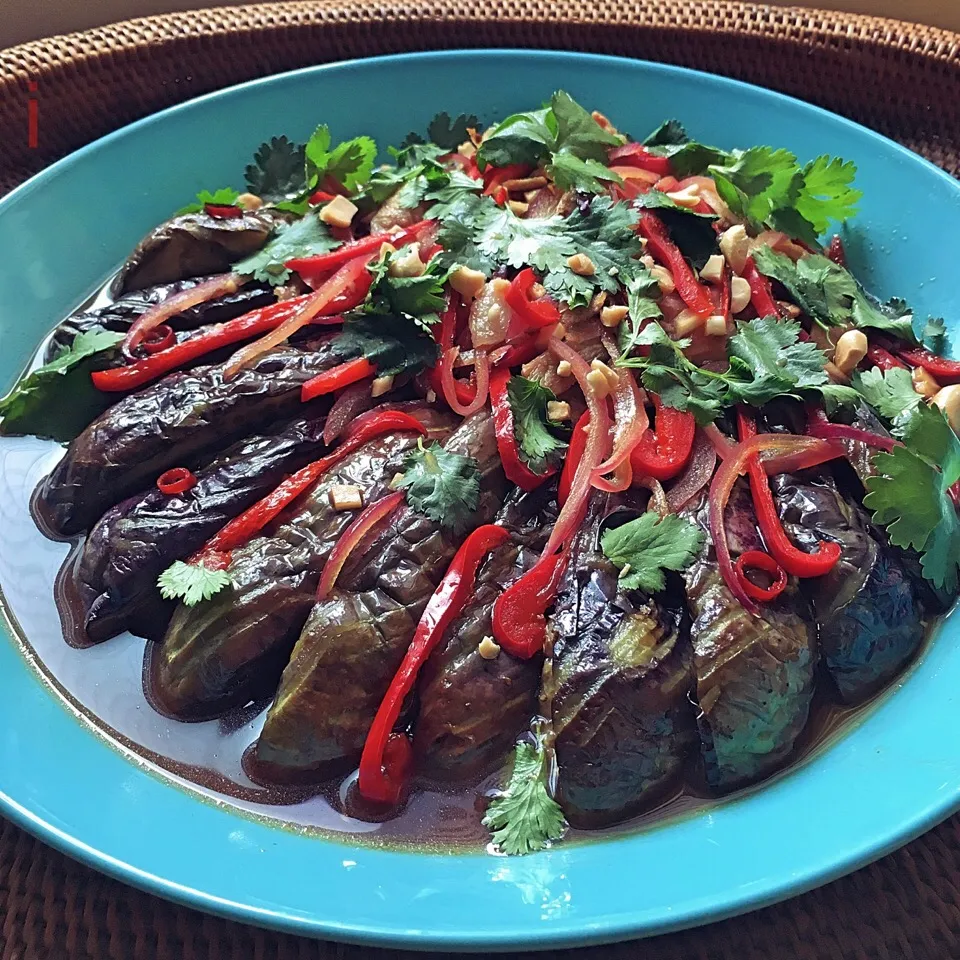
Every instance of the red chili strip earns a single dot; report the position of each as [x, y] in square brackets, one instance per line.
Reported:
[252, 324]
[663, 452]
[945, 371]
[337, 378]
[578, 443]
[533, 313]
[336, 258]
[690, 290]
[375, 781]
[176, 480]
[249, 523]
[884, 359]
[758, 560]
[495, 177]
[513, 465]
[222, 211]
[761, 293]
[158, 339]
[637, 155]
[795, 561]
[835, 251]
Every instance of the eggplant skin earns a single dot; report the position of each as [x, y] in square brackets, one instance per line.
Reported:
[192, 245]
[618, 689]
[754, 675]
[353, 642]
[135, 541]
[122, 312]
[234, 646]
[472, 710]
[868, 608]
[174, 422]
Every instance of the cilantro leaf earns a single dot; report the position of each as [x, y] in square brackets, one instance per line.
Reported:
[277, 171]
[577, 131]
[394, 344]
[349, 163]
[534, 431]
[933, 335]
[754, 182]
[191, 582]
[302, 238]
[641, 306]
[441, 484]
[686, 156]
[774, 360]
[419, 299]
[58, 400]
[463, 230]
[523, 817]
[669, 133]
[827, 193]
[444, 132]
[521, 138]
[643, 548]
[889, 392]
[909, 493]
[569, 172]
[224, 197]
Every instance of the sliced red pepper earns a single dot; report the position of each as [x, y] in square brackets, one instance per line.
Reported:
[465, 392]
[836, 252]
[664, 451]
[690, 290]
[533, 314]
[782, 549]
[495, 177]
[761, 293]
[513, 465]
[336, 379]
[758, 560]
[578, 443]
[251, 324]
[521, 352]
[158, 339]
[375, 782]
[519, 624]
[945, 371]
[222, 211]
[176, 480]
[317, 265]
[637, 155]
[884, 359]
[249, 523]
[320, 196]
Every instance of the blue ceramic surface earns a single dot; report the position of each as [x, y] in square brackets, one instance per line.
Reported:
[883, 783]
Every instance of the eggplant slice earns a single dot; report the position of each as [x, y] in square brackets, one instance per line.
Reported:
[618, 687]
[193, 245]
[233, 647]
[472, 710]
[134, 542]
[754, 675]
[353, 642]
[174, 422]
[867, 607]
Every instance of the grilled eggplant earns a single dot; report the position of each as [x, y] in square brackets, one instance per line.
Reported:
[174, 422]
[128, 548]
[617, 688]
[233, 646]
[122, 312]
[472, 710]
[868, 609]
[192, 245]
[354, 641]
[754, 675]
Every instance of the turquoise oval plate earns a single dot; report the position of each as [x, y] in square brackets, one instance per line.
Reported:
[893, 776]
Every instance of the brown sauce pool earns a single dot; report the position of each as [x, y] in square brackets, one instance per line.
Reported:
[105, 685]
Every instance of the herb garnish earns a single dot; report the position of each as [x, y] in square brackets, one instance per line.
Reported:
[889, 392]
[302, 238]
[349, 163]
[441, 484]
[418, 299]
[394, 344]
[191, 583]
[276, 173]
[536, 434]
[224, 197]
[643, 548]
[446, 133]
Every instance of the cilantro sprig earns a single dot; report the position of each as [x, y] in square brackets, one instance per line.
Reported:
[536, 433]
[191, 583]
[523, 817]
[224, 197]
[909, 493]
[644, 548]
[418, 299]
[302, 238]
[276, 173]
[349, 163]
[445, 133]
[889, 392]
[442, 484]
[394, 344]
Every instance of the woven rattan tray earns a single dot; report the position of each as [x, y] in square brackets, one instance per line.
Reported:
[900, 79]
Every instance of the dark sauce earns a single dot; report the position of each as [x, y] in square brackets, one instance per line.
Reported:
[107, 685]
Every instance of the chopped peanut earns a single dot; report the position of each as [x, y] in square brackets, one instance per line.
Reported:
[537, 291]
[488, 648]
[558, 410]
[851, 348]
[664, 278]
[467, 149]
[739, 294]
[687, 197]
[249, 201]
[598, 366]
[386, 248]
[713, 269]
[716, 326]
[686, 322]
[407, 263]
[564, 369]
[735, 246]
[789, 309]
[581, 265]
[613, 316]
[345, 496]
[339, 212]
[518, 207]
[381, 385]
[924, 383]
[598, 383]
[524, 183]
[948, 400]
[468, 283]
